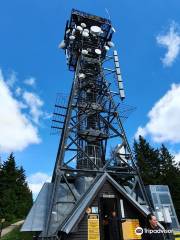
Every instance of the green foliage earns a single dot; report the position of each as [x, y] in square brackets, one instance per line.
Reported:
[147, 161]
[16, 197]
[157, 166]
[17, 235]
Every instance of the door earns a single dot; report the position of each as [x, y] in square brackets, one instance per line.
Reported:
[110, 220]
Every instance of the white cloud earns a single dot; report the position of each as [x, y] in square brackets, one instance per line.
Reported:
[164, 118]
[11, 79]
[36, 181]
[18, 91]
[140, 131]
[177, 157]
[35, 104]
[16, 130]
[30, 81]
[171, 41]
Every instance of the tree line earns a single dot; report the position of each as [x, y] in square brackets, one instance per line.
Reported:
[15, 195]
[158, 166]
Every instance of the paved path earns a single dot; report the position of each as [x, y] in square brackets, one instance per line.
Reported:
[11, 227]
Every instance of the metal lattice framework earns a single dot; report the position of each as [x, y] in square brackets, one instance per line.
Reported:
[91, 121]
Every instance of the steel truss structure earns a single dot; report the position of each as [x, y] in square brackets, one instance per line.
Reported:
[92, 117]
[90, 123]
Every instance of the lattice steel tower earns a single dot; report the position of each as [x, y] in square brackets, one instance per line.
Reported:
[90, 124]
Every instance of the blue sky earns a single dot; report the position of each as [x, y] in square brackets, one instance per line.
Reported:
[33, 70]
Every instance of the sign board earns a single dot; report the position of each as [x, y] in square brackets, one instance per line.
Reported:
[108, 195]
[93, 227]
[129, 229]
[176, 235]
[95, 210]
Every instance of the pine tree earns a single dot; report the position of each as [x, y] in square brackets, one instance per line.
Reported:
[7, 185]
[147, 160]
[23, 194]
[16, 198]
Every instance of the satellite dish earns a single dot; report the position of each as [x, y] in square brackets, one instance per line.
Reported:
[106, 48]
[110, 44]
[72, 37]
[67, 31]
[95, 30]
[82, 76]
[79, 28]
[62, 45]
[85, 34]
[83, 25]
[84, 52]
[86, 30]
[73, 31]
[98, 51]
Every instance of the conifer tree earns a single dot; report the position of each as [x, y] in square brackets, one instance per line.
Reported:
[147, 160]
[16, 197]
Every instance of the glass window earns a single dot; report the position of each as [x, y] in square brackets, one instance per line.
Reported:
[172, 210]
[154, 198]
[169, 207]
[162, 188]
[174, 223]
[152, 188]
[164, 198]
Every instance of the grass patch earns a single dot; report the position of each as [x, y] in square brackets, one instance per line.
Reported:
[17, 235]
